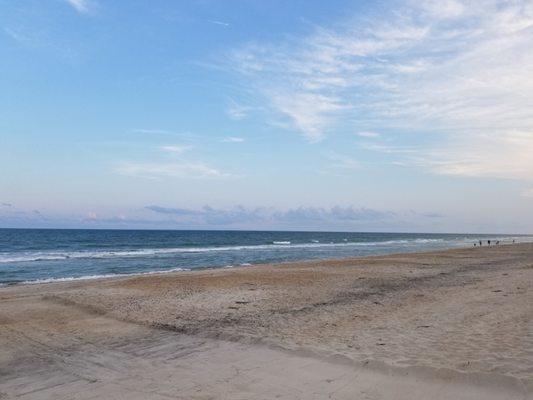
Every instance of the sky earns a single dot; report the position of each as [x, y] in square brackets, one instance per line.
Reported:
[402, 116]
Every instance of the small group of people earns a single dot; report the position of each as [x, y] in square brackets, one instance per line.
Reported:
[488, 242]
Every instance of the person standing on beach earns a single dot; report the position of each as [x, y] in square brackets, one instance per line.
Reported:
[488, 241]
[480, 243]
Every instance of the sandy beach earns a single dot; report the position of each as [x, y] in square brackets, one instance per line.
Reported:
[454, 324]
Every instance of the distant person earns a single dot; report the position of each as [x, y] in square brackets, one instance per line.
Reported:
[513, 241]
[480, 243]
[488, 241]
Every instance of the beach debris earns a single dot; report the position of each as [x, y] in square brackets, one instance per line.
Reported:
[242, 302]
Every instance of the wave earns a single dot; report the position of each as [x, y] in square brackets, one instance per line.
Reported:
[101, 276]
[55, 255]
[7, 257]
[105, 276]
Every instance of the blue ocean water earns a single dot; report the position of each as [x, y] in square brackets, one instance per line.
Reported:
[44, 255]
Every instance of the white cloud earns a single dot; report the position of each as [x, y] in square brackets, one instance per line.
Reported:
[16, 35]
[81, 6]
[461, 71]
[528, 192]
[176, 149]
[368, 134]
[508, 155]
[160, 132]
[443, 8]
[237, 111]
[310, 113]
[215, 22]
[158, 170]
[343, 161]
[295, 217]
[233, 139]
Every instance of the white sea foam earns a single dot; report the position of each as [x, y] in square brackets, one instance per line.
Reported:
[393, 245]
[102, 276]
[51, 256]
[103, 254]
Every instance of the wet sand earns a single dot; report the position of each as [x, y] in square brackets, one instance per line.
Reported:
[454, 324]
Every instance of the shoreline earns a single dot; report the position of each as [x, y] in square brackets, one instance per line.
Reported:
[234, 267]
[446, 324]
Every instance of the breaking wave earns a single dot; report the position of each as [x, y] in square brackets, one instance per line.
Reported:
[99, 254]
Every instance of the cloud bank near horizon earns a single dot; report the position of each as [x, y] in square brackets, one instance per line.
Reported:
[237, 217]
[300, 216]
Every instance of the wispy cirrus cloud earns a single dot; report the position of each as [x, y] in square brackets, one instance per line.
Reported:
[503, 155]
[160, 132]
[237, 111]
[175, 149]
[343, 161]
[159, 170]
[216, 22]
[233, 139]
[368, 134]
[82, 6]
[528, 192]
[17, 36]
[169, 161]
[460, 71]
[508, 154]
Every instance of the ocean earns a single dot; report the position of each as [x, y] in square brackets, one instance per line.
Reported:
[48, 255]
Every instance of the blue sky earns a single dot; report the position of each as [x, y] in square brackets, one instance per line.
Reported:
[248, 114]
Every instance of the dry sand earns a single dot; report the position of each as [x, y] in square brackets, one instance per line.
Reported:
[454, 324]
